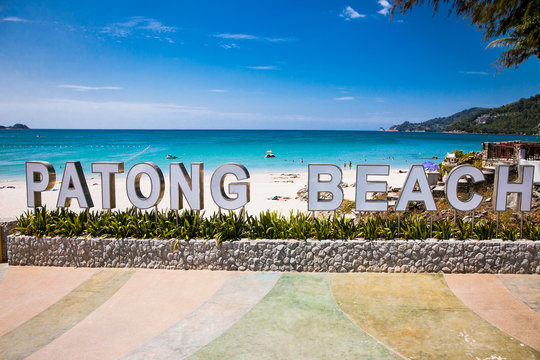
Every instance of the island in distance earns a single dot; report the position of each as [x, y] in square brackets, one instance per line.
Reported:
[520, 117]
[15, 127]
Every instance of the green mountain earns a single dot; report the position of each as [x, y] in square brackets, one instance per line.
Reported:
[15, 127]
[438, 124]
[520, 117]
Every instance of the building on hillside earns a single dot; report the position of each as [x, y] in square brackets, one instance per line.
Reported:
[512, 153]
[450, 160]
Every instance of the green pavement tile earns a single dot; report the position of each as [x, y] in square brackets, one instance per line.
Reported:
[4, 268]
[63, 315]
[298, 319]
[418, 316]
[524, 287]
[239, 294]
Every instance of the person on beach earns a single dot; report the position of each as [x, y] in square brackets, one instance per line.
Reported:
[350, 164]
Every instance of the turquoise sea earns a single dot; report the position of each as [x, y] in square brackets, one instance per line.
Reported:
[215, 147]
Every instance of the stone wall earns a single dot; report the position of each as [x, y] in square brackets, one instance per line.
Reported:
[491, 256]
[6, 225]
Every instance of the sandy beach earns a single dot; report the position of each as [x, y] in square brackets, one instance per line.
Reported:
[264, 187]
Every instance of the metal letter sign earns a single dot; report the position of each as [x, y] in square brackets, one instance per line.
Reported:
[363, 186]
[40, 176]
[108, 185]
[457, 173]
[74, 186]
[133, 185]
[416, 175]
[523, 188]
[316, 186]
[182, 185]
[322, 178]
[240, 189]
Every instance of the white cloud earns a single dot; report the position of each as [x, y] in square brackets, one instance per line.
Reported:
[88, 88]
[137, 23]
[474, 72]
[252, 37]
[229, 46]
[345, 98]
[262, 67]
[349, 13]
[218, 90]
[386, 6]
[237, 36]
[14, 19]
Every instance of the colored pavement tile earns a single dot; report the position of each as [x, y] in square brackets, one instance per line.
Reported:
[418, 316]
[298, 319]
[148, 303]
[66, 313]
[51, 323]
[28, 290]
[489, 298]
[238, 295]
[525, 287]
[4, 268]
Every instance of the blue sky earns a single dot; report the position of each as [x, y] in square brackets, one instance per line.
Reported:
[243, 64]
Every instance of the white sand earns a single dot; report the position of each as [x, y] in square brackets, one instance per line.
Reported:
[264, 186]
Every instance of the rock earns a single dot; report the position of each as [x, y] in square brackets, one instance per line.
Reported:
[302, 194]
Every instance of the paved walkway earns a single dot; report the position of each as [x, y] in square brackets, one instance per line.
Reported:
[487, 296]
[66, 313]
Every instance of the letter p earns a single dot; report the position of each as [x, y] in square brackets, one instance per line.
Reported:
[40, 176]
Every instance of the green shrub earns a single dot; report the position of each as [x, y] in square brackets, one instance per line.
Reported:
[531, 232]
[508, 233]
[484, 230]
[389, 228]
[414, 228]
[462, 230]
[442, 229]
[322, 228]
[299, 226]
[188, 224]
[369, 228]
[343, 228]
[230, 226]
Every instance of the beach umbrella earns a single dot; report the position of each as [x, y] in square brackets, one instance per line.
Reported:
[430, 166]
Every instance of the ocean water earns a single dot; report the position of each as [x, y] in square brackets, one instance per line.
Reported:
[216, 147]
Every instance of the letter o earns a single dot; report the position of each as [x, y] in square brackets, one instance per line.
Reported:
[133, 185]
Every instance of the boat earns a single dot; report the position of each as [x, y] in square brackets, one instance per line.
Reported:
[171, 157]
[269, 154]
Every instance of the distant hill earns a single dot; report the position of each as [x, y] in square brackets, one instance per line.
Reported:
[520, 117]
[15, 127]
[438, 124]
